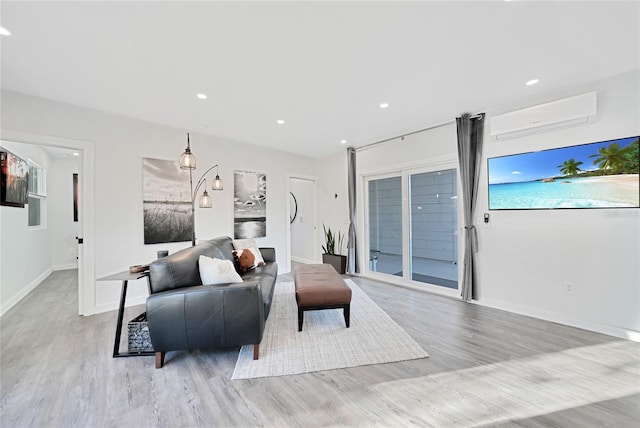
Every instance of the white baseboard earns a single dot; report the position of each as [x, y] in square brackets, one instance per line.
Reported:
[305, 261]
[113, 306]
[66, 267]
[561, 318]
[23, 293]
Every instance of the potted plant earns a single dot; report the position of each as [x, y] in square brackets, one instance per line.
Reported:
[332, 250]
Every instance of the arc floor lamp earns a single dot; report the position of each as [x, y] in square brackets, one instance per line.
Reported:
[188, 161]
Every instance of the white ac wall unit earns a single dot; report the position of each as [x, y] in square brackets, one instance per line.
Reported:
[563, 113]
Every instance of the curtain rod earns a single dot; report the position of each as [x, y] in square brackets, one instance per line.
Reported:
[439, 125]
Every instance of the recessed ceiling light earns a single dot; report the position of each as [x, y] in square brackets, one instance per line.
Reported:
[384, 105]
[76, 154]
[343, 141]
[202, 96]
[532, 82]
[280, 122]
[203, 126]
[4, 32]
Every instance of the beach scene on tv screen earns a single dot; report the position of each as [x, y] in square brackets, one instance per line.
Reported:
[595, 175]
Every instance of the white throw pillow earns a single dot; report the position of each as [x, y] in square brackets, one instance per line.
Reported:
[216, 271]
[250, 244]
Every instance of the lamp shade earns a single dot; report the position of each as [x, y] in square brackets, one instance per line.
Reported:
[187, 160]
[217, 183]
[205, 200]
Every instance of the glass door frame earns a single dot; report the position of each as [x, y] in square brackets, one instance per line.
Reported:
[405, 215]
[404, 173]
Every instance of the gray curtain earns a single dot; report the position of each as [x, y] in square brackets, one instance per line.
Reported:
[470, 133]
[352, 242]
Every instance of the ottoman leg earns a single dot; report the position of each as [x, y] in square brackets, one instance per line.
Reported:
[347, 314]
[300, 318]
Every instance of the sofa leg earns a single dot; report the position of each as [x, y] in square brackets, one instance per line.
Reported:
[300, 318]
[256, 351]
[159, 360]
[347, 314]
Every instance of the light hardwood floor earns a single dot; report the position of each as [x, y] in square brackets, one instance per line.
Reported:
[487, 368]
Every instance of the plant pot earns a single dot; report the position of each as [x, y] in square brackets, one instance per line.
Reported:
[338, 262]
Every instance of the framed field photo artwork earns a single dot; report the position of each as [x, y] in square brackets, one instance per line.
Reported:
[595, 175]
[166, 200]
[14, 179]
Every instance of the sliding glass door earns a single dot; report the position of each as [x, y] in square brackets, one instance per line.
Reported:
[385, 225]
[434, 224]
[412, 226]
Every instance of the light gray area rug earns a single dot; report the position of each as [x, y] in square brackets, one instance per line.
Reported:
[324, 343]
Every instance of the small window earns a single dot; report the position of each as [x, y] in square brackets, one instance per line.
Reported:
[37, 195]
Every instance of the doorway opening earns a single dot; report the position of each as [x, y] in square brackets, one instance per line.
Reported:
[82, 241]
[303, 218]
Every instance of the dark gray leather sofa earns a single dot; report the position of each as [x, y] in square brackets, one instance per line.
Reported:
[183, 314]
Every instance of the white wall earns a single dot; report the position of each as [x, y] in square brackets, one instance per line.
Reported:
[302, 228]
[333, 196]
[26, 253]
[119, 145]
[526, 257]
[64, 247]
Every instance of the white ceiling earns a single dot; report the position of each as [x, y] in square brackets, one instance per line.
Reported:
[323, 67]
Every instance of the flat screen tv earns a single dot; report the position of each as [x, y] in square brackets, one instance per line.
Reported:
[595, 175]
[14, 179]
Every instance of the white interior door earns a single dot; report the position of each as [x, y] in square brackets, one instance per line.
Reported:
[303, 220]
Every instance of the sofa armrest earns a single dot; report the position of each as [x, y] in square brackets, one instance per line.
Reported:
[268, 254]
[206, 316]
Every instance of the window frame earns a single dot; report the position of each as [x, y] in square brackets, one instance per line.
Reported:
[40, 194]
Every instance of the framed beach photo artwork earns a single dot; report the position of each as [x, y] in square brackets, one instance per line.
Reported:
[596, 175]
[250, 205]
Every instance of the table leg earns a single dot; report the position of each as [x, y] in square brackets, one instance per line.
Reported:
[123, 295]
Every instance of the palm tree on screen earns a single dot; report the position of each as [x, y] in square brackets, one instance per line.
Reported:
[632, 156]
[609, 159]
[570, 167]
